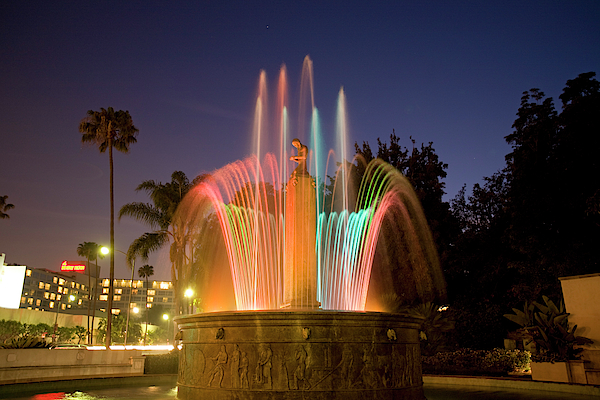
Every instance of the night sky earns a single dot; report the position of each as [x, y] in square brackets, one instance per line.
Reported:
[448, 72]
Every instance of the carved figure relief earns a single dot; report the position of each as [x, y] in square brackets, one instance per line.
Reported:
[197, 363]
[368, 373]
[391, 334]
[300, 380]
[218, 371]
[306, 333]
[243, 370]
[235, 367]
[263, 366]
[346, 366]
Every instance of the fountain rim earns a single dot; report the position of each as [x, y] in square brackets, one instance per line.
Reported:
[309, 317]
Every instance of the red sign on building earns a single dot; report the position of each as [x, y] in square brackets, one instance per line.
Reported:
[73, 266]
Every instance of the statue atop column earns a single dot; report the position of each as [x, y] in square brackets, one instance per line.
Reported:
[300, 267]
[301, 169]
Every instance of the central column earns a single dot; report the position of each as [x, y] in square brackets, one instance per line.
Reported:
[300, 269]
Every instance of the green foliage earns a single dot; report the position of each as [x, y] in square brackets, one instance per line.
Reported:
[162, 363]
[40, 329]
[24, 342]
[549, 329]
[10, 329]
[80, 333]
[434, 331]
[4, 206]
[496, 362]
[118, 330]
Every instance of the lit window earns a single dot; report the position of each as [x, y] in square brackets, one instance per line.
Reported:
[62, 306]
[55, 279]
[30, 300]
[52, 296]
[59, 289]
[135, 284]
[164, 285]
[150, 299]
[38, 302]
[117, 297]
[103, 297]
[29, 308]
[77, 285]
[69, 306]
[82, 287]
[73, 285]
[165, 299]
[23, 300]
[61, 281]
[148, 305]
[65, 291]
[47, 286]
[47, 295]
[116, 311]
[41, 285]
[133, 305]
[51, 304]
[119, 291]
[103, 309]
[80, 301]
[28, 272]
[151, 292]
[105, 282]
[105, 290]
[134, 291]
[123, 282]
[58, 296]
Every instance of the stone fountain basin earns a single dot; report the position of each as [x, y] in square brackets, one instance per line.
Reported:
[299, 354]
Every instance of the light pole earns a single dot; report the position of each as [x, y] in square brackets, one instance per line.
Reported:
[104, 250]
[166, 318]
[189, 293]
[130, 292]
[54, 336]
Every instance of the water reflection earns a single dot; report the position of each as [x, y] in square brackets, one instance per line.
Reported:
[146, 393]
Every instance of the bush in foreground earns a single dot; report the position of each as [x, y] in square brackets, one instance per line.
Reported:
[162, 363]
[495, 362]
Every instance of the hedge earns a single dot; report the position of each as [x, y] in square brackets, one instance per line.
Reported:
[497, 362]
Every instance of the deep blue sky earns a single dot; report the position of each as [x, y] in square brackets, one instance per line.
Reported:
[448, 72]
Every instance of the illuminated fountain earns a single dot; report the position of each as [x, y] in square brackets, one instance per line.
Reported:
[300, 266]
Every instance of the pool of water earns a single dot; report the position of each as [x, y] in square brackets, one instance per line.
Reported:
[432, 392]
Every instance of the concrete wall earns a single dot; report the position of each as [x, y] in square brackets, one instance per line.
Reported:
[581, 301]
[34, 365]
[26, 316]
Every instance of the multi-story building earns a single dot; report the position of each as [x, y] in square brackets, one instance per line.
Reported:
[160, 294]
[47, 290]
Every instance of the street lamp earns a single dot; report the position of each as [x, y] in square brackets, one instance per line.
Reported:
[130, 293]
[57, 303]
[166, 318]
[105, 250]
[189, 293]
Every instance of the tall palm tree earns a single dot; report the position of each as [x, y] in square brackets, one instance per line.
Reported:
[160, 217]
[4, 206]
[146, 272]
[108, 128]
[91, 251]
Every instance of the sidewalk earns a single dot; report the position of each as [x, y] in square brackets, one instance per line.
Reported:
[504, 383]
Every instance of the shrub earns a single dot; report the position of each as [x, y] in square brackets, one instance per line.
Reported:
[495, 362]
[24, 342]
[162, 363]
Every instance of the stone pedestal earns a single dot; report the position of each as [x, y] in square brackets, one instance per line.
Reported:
[300, 268]
[317, 355]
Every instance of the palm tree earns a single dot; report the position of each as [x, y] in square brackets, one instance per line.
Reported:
[108, 128]
[90, 251]
[160, 216]
[4, 206]
[146, 272]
